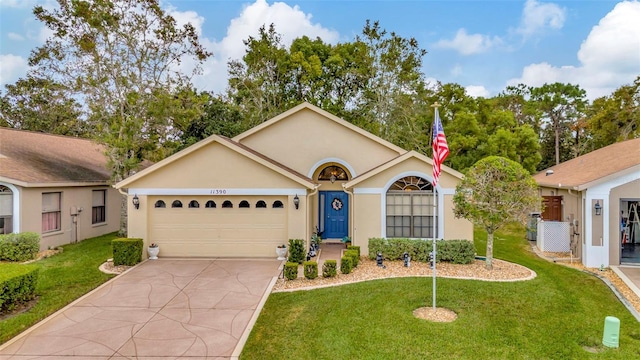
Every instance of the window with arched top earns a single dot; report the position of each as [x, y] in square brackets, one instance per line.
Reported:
[410, 208]
[176, 204]
[227, 204]
[210, 204]
[333, 173]
[244, 204]
[194, 204]
[160, 204]
[261, 204]
[278, 204]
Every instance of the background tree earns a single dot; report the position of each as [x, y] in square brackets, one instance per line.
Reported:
[494, 192]
[123, 60]
[40, 104]
[560, 107]
[615, 117]
[220, 117]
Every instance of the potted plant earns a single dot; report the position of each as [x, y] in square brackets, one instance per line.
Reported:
[281, 251]
[347, 241]
[153, 251]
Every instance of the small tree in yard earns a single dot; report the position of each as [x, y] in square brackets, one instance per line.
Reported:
[494, 192]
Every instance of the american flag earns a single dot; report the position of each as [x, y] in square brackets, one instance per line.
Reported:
[440, 148]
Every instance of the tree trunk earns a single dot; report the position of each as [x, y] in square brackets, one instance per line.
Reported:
[557, 133]
[123, 216]
[489, 258]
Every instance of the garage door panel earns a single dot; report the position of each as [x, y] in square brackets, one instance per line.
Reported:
[214, 232]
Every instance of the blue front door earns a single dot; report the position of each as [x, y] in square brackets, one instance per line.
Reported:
[334, 210]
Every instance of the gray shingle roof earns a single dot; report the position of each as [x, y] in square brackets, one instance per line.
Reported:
[38, 158]
[596, 165]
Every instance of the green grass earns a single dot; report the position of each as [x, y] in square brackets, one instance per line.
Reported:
[63, 278]
[558, 315]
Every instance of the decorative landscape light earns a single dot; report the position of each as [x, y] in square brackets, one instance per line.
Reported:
[136, 201]
[296, 201]
[598, 208]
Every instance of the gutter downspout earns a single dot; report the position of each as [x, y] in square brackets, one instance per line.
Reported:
[352, 216]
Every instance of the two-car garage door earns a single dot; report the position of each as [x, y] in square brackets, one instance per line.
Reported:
[212, 226]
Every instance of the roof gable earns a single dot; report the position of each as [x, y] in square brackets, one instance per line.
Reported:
[592, 168]
[231, 145]
[307, 106]
[398, 160]
[37, 159]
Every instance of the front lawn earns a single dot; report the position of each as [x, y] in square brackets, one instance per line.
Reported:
[63, 278]
[558, 315]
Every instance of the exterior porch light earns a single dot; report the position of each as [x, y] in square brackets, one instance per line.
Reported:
[598, 208]
[296, 201]
[136, 201]
[333, 178]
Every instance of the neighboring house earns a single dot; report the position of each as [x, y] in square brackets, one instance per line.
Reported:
[57, 186]
[302, 170]
[596, 194]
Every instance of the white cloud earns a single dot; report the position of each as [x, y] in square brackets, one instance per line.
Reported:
[14, 36]
[609, 56]
[477, 91]
[290, 22]
[538, 16]
[468, 44]
[11, 67]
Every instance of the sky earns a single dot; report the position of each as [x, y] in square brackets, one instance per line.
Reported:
[482, 45]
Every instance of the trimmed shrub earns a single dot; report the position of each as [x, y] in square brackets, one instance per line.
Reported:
[19, 246]
[355, 260]
[291, 270]
[17, 285]
[296, 251]
[310, 270]
[126, 251]
[330, 268]
[454, 251]
[346, 265]
[354, 247]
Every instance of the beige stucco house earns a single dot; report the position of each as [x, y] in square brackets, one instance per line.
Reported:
[57, 186]
[303, 170]
[598, 194]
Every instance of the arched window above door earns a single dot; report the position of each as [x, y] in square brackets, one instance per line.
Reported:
[333, 173]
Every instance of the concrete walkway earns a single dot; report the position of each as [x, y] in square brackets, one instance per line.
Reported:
[161, 309]
[630, 275]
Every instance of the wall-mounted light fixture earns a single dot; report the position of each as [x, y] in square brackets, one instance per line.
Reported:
[296, 201]
[598, 208]
[333, 178]
[136, 201]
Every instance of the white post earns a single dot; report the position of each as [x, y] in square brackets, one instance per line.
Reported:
[434, 248]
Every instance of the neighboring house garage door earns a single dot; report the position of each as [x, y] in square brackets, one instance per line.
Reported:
[205, 226]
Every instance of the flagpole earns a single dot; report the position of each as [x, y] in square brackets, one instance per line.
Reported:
[433, 232]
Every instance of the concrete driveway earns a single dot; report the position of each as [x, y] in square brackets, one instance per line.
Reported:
[161, 309]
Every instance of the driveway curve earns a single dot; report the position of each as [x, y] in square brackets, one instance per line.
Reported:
[161, 309]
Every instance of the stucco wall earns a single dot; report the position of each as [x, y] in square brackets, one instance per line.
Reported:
[312, 137]
[367, 220]
[214, 167]
[79, 197]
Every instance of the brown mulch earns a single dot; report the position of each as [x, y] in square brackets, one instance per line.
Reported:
[108, 267]
[368, 270]
[436, 315]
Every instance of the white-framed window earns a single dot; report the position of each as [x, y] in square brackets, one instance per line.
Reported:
[410, 209]
[98, 209]
[51, 214]
[6, 210]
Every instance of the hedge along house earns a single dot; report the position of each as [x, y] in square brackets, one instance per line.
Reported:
[57, 186]
[303, 170]
[596, 194]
